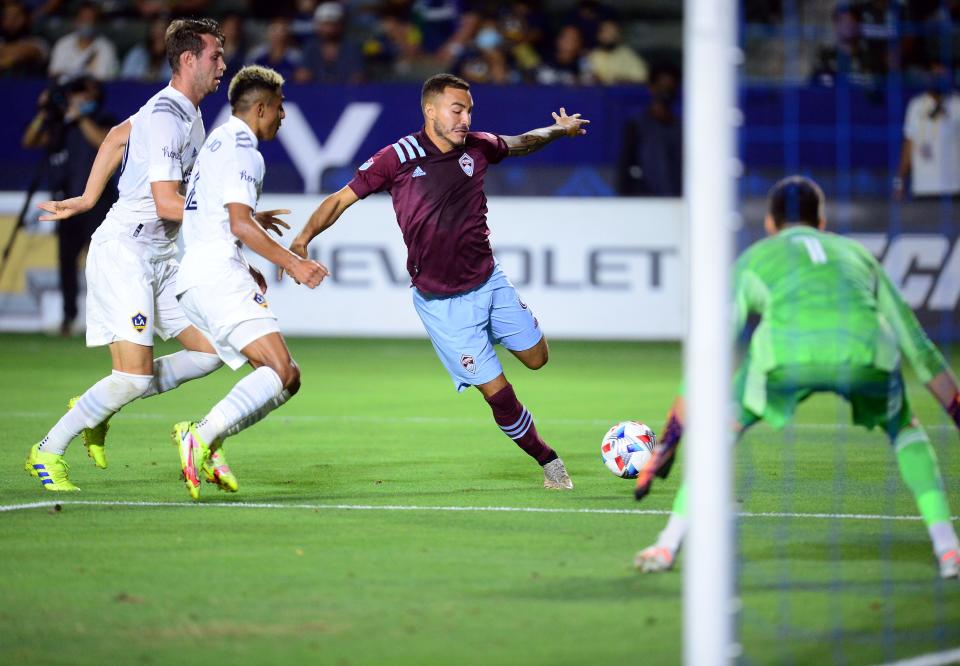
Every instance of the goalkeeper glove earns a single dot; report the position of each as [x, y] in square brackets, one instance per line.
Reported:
[954, 410]
[661, 462]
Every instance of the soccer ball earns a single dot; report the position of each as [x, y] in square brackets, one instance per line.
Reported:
[627, 447]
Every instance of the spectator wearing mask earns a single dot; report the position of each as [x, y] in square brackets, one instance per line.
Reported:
[651, 155]
[930, 154]
[485, 60]
[83, 51]
[70, 126]
[612, 61]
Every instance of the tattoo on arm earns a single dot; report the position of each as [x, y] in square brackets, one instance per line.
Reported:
[532, 141]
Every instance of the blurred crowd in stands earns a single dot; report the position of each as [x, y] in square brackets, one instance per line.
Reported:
[351, 41]
[866, 43]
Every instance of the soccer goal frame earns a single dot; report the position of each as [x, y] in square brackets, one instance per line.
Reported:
[711, 168]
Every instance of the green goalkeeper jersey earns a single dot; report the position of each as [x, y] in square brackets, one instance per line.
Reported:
[825, 300]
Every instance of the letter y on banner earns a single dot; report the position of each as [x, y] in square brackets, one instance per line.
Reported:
[311, 158]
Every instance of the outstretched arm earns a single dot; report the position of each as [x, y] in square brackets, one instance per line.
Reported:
[108, 159]
[328, 212]
[943, 386]
[661, 461]
[534, 140]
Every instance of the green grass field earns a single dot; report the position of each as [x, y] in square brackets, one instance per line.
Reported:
[285, 572]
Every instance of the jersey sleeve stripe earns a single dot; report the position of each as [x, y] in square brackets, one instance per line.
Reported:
[167, 107]
[400, 153]
[170, 111]
[176, 105]
[413, 141]
[408, 148]
[169, 103]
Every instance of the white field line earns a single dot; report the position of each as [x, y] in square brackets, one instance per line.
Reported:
[465, 509]
[930, 659]
[425, 420]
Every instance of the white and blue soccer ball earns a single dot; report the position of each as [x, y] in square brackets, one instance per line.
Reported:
[627, 447]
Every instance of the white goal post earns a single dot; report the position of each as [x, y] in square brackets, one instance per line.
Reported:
[710, 171]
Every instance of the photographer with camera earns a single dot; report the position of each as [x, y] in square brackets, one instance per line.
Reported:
[70, 126]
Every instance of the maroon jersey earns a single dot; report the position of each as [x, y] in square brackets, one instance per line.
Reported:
[440, 206]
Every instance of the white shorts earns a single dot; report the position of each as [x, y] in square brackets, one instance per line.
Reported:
[130, 296]
[231, 315]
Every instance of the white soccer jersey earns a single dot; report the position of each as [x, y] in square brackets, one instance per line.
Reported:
[166, 135]
[228, 170]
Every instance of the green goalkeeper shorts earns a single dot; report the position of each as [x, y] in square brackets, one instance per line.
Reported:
[877, 396]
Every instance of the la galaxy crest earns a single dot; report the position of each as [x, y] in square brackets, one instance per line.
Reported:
[466, 163]
[260, 299]
[139, 322]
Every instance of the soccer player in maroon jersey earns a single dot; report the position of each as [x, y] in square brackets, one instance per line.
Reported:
[435, 177]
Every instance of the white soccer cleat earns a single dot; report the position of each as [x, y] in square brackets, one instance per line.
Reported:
[950, 564]
[555, 476]
[654, 559]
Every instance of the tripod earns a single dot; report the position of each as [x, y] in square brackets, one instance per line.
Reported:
[22, 217]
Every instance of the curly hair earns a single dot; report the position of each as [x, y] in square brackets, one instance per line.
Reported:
[250, 79]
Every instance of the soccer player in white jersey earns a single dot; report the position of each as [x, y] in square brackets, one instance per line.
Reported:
[219, 292]
[131, 269]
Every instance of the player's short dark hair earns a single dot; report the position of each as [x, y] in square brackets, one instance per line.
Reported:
[186, 35]
[249, 81]
[796, 199]
[436, 84]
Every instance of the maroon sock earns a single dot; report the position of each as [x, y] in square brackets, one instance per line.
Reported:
[517, 424]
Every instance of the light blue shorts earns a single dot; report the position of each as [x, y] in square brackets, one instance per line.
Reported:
[465, 327]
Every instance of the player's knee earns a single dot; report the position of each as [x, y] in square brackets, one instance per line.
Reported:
[126, 387]
[290, 376]
[540, 358]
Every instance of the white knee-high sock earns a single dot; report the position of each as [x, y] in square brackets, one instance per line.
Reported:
[174, 369]
[99, 403]
[258, 415]
[250, 395]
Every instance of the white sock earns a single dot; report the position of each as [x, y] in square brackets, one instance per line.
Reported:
[99, 403]
[174, 369]
[258, 415]
[672, 535]
[944, 538]
[249, 396]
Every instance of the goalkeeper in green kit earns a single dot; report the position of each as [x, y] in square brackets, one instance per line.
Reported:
[831, 321]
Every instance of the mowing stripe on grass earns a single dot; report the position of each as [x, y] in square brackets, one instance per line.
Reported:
[428, 420]
[931, 659]
[475, 509]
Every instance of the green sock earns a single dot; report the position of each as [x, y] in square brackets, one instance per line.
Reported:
[680, 501]
[921, 473]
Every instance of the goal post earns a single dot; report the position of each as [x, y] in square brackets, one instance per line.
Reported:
[710, 172]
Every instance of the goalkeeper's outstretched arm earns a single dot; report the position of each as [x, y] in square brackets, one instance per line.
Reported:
[943, 386]
[661, 462]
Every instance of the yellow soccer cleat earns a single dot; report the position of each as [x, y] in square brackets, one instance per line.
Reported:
[94, 439]
[216, 470]
[193, 454]
[50, 468]
[31, 459]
